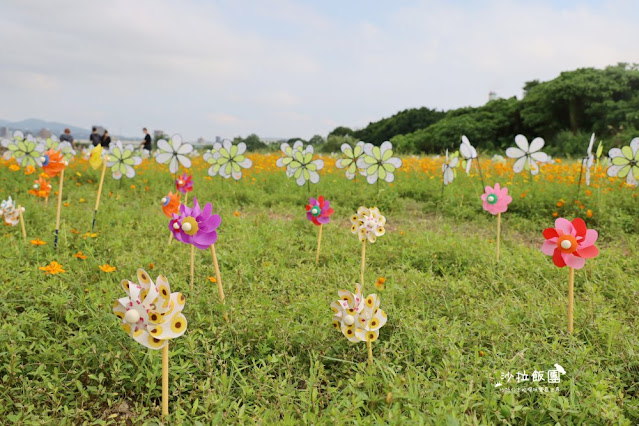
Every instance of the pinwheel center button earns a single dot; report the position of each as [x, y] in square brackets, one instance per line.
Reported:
[492, 199]
[132, 316]
[349, 320]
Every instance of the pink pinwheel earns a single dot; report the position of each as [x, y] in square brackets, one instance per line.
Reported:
[319, 211]
[184, 183]
[496, 199]
[570, 243]
[195, 226]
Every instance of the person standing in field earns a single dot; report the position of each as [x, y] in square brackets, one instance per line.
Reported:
[68, 137]
[146, 143]
[106, 139]
[95, 138]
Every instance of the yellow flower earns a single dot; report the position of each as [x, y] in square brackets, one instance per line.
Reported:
[82, 200]
[107, 268]
[589, 213]
[79, 255]
[90, 235]
[212, 279]
[66, 204]
[380, 283]
[14, 167]
[53, 268]
[38, 242]
[29, 170]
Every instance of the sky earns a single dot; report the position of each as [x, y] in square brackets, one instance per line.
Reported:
[284, 68]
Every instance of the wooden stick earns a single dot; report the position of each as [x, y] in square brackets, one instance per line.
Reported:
[218, 278]
[571, 295]
[97, 200]
[46, 201]
[170, 238]
[361, 275]
[192, 264]
[57, 214]
[498, 233]
[319, 243]
[370, 352]
[24, 231]
[165, 380]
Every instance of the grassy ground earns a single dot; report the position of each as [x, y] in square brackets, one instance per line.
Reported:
[457, 320]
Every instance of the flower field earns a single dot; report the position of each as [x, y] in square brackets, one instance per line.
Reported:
[459, 323]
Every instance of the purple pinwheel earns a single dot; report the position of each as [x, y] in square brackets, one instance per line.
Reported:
[319, 211]
[195, 226]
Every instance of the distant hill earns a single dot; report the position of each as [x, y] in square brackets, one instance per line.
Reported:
[34, 125]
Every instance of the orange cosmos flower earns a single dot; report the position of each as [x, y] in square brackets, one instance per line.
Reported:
[14, 167]
[53, 268]
[38, 242]
[107, 268]
[29, 170]
[79, 255]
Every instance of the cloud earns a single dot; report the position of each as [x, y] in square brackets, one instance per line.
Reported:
[286, 68]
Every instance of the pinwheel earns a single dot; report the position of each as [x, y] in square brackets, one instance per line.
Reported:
[41, 188]
[12, 214]
[319, 212]
[367, 223]
[171, 204]
[122, 160]
[26, 151]
[587, 162]
[66, 150]
[287, 158]
[469, 153]
[152, 316]
[526, 155]
[350, 159]
[54, 164]
[303, 168]
[52, 142]
[95, 161]
[378, 162]
[174, 152]
[448, 170]
[496, 201]
[359, 319]
[624, 162]
[198, 227]
[184, 184]
[570, 244]
[228, 160]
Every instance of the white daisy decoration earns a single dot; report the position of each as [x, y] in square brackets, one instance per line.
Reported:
[227, 160]
[448, 168]
[303, 168]
[378, 162]
[624, 162]
[526, 155]
[26, 151]
[350, 159]
[66, 150]
[468, 153]
[122, 160]
[51, 142]
[287, 158]
[175, 153]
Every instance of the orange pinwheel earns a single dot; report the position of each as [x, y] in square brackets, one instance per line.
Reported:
[53, 163]
[171, 204]
[41, 188]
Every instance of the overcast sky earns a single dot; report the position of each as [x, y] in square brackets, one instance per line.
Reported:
[283, 68]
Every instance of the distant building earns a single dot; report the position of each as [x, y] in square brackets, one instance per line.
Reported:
[218, 139]
[44, 133]
[492, 96]
[201, 141]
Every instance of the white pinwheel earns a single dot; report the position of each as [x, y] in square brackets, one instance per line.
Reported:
[378, 162]
[589, 160]
[174, 152]
[122, 160]
[150, 313]
[287, 158]
[52, 142]
[448, 168]
[624, 162]
[350, 159]
[368, 223]
[526, 155]
[303, 168]
[9, 212]
[227, 159]
[358, 319]
[26, 151]
[468, 153]
[66, 150]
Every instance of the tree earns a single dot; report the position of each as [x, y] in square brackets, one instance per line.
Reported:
[316, 140]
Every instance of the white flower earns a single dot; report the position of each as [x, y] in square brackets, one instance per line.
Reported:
[468, 153]
[378, 162]
[351, 157]
[527, 156]
[368, 223]
[122, 160]
[357, 318]
[287, 158]
[625, 162]
[302, 167]
[174, 152]
[448, 168]
[150, 313]
[227, 159]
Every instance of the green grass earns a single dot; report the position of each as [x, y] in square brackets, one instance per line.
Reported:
[456, 321]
